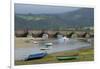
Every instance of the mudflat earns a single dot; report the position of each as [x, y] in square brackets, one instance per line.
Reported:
[24, 42]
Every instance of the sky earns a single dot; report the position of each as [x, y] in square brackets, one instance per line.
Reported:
[41, 9]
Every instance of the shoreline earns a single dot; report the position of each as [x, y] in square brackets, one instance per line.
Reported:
[85, 55]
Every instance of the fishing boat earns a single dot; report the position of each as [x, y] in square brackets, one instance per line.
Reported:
[36, 56]
[67, 57]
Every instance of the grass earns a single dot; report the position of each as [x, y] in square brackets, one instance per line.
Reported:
[84, 55]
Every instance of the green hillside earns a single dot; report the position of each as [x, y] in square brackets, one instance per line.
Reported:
[79, 18]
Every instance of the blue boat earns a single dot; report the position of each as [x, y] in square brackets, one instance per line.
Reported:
[36, 56]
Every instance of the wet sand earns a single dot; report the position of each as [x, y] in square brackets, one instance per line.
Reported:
[24, 42]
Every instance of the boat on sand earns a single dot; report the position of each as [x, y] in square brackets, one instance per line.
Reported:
[36, 56]
[48, 44]
[67, 57]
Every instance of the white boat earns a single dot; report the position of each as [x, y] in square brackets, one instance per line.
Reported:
[48, 44]
[44, 49]
[35, 42]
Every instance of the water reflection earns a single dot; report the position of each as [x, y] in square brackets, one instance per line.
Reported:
[62, 39]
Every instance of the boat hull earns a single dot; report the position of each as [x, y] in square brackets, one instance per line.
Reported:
[36, 56]
[67, 57]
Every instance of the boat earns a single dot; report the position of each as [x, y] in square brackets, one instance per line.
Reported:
[35, 42]
[67, 57]
[44, 49]
[48, 44]
[36, 56]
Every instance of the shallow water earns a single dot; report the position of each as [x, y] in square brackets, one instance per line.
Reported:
[22, 53]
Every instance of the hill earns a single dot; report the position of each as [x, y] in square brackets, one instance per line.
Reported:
[79, 18]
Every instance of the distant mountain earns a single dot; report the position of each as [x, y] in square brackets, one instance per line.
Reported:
[79, 18]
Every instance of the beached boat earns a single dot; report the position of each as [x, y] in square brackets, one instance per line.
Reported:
[48, 44]
[67, 57]
[36, 56]
[44, 49]
[35, 42]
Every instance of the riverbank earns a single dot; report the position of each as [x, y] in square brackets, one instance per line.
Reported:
[84, 55]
